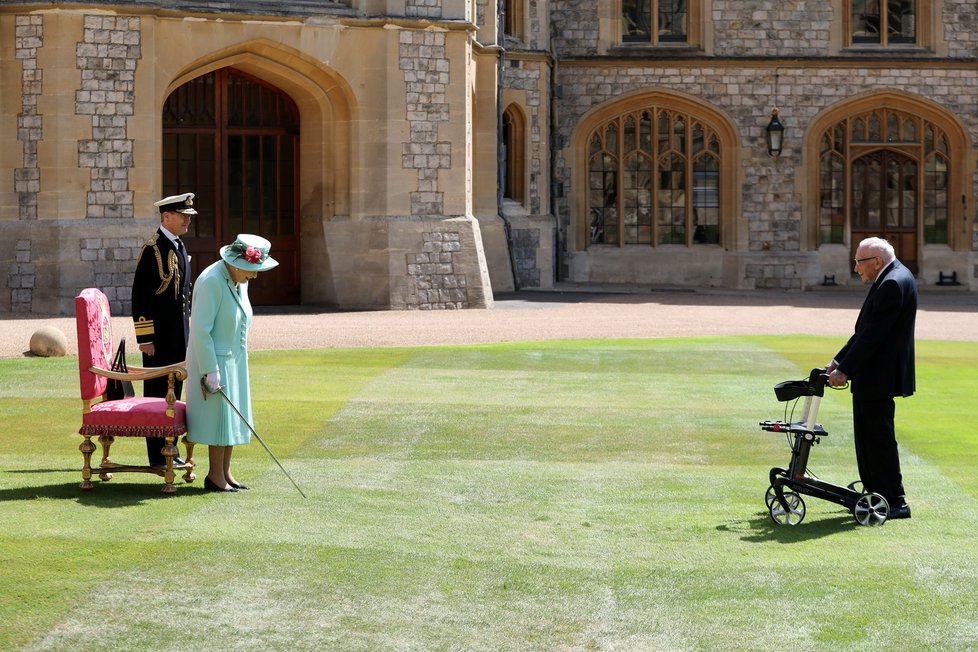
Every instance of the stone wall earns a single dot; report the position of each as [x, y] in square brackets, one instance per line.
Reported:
[30, 125]
[771, 28]
[575, 25]
[432, 275]
[770, 202]
[107, 58]
[960, 28]
[426, 72]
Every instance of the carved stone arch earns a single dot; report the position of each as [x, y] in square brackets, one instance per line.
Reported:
[960, 154]
[721, 125]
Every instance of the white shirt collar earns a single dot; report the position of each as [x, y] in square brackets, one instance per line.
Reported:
[885, 267]
[169, 235]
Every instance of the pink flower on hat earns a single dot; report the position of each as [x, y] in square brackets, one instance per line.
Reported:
[253, 255]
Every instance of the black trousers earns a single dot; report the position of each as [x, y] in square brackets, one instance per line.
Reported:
[876, 449]
[157, 387]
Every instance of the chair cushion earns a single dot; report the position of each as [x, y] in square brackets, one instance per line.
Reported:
[135, 417]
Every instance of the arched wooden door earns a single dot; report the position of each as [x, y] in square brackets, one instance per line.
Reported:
[234, 141]
[885, 200]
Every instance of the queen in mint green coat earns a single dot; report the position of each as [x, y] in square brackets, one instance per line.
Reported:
[217, 356]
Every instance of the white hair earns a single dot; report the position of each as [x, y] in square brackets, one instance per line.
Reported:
[879, 247]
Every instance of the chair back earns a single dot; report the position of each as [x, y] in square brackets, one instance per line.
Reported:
[94, 324]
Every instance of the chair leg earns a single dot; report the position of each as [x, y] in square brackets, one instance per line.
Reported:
[189, 476]
[169, 452]
[87, 448]
[106, 441]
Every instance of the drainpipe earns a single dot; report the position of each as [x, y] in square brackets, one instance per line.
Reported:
[554, 146]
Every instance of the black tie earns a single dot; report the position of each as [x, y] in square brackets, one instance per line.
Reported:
[182, 253]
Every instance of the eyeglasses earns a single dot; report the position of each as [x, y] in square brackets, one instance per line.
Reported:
[860, 261]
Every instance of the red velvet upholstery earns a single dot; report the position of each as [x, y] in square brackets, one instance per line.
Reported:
[135, 417]
[93, 323]
[131, 417]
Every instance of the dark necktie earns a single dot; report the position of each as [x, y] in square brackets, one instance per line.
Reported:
[182, 254]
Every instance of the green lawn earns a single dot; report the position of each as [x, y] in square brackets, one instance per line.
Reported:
[540, 496]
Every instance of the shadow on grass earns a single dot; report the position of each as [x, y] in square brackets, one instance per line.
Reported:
[762, 529]
[103, 494]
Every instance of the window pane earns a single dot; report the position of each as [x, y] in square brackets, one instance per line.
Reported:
[935, 200]
[831, 200]
[637, 200]
[706, 201]
[901, 23]
[866, 174]
[646, 132]
[865, 19]
[636, 20]
[672, 200]
[603, 200]
[672, 20]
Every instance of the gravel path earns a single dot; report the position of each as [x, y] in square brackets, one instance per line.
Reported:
[571, 313]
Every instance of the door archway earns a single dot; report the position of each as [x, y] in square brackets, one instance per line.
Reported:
[893, 165]
[233, 139]
[885, 196]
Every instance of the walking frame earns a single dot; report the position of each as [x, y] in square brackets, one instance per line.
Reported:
[784, 496]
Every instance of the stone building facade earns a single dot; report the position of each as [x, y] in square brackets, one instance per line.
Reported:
[424, 154]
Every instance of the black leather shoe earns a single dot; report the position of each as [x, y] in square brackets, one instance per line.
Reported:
[899, 512]
[210, 486]
[238, 486]
[178, 461]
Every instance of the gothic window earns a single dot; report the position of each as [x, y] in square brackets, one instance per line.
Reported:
[883, 22]
[884, 172]
[654, 178]
[654, 21]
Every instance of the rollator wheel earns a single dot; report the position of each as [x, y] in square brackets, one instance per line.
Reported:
[856, 485]
[871, 509]
[770, 496]
[793, 515]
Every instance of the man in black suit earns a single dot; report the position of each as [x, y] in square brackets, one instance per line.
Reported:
[161, 302]
[879, 361]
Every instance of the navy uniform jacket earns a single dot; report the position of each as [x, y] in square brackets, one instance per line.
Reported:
[879, 357]
[161, 300]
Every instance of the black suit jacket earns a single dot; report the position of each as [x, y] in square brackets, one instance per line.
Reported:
[879, 357]
[161, 299]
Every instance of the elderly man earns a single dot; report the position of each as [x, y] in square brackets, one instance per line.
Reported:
[879, 361]
[161, 301]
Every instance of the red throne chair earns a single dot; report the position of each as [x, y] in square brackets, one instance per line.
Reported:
[127, 417]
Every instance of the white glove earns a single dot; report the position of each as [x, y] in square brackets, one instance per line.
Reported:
[213, 380]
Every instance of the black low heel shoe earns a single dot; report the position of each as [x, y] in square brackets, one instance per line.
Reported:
[238, 486]
[210, 486]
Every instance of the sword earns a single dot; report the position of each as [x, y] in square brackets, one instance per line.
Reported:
[220, 390]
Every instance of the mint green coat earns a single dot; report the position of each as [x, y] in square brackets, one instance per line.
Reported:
[219, 322]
